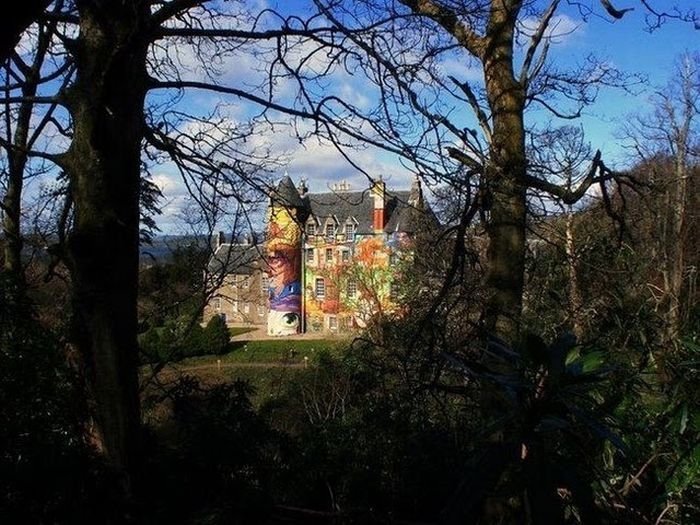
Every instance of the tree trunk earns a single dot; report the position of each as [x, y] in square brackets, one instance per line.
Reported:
[575, 295]
[504, 175]
[103, 164]
[675, 245]
[12, 201]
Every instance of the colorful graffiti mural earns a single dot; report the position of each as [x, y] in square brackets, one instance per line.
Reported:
[283, 251]
[353, 291]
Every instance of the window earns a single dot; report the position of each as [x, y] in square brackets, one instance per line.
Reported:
[330, 232]
[345, 255]
[329, 255]
[216, 303]
[352, 287]
[310, 255]
[310, 228]
[320, 287]
[349, 231]
[235, 306]
[333, 323]
[393, 291]
[246, 308]
[246, 281]
[261, 310]
[264, 283]
[393, 258]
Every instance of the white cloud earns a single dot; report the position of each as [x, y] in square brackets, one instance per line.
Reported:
[462, 68]
[170, 185]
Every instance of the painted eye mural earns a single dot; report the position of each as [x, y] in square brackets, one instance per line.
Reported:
[284, 270]
[283, 323]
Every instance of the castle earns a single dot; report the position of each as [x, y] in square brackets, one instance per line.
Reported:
[330, 262]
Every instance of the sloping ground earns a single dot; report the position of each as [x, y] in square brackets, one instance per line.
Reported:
[266, 364]
[259, 333]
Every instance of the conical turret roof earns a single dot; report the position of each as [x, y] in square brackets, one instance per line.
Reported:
[286, 194]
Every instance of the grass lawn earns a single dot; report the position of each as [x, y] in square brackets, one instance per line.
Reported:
[240, 330]
[268, 365]
[271, 351]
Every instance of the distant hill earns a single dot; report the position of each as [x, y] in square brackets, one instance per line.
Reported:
[161, 249]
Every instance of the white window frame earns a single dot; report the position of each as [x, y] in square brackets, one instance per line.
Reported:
[394, 291]
[320, 287]
[352, 288]
[350, 230]
[330, 234]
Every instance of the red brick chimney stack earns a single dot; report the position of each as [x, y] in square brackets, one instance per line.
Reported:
[378, 190]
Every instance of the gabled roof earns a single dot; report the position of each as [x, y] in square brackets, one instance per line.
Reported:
[236, 259]
[357, 207]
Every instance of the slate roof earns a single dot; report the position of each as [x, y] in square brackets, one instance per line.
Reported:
[404, 211]
[286, 194]
[358, 206]
[236, 258]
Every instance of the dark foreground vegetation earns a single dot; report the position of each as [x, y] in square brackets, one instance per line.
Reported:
[421, 420]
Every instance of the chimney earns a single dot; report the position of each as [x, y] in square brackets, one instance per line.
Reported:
[303, 189]
[415, 197]
[220, 239]
[378, 191]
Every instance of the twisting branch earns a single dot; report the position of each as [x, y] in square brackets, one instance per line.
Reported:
[612, 11]
[535, 42]
[474, 104]
[598, 173]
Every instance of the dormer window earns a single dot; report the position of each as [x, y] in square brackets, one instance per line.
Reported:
[350, 229]
[330, 232]
[310, 228]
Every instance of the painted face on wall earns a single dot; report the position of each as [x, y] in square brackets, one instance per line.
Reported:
[284, 270]
[285, 279]
[284, 267]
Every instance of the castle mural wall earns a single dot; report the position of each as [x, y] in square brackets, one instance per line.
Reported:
[283, 258]
[333, 260]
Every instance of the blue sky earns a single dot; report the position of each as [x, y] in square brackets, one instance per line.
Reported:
[625, 44]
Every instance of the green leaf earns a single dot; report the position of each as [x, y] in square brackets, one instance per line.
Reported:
[684, 418]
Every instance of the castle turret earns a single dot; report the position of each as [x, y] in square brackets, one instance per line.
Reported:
[283, 258]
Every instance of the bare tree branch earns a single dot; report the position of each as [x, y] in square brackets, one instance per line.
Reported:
[449, 20]
[535, 41]
[612, 11]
